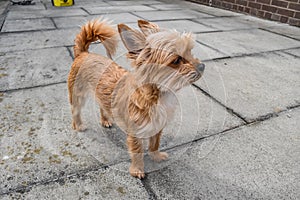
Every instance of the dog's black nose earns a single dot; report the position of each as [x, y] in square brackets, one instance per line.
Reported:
[200, 67]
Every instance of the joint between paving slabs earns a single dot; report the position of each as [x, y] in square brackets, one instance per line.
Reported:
[58, 179]
[70, 52]
[230, 110]
[249, 54]
[148, 188]
[274, 114]
[52, 20]
[85, 10]
[133, 13]
[270, 31]
[3, 17]
[31, 87]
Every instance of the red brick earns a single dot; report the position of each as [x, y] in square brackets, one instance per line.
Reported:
[254, 5]
[253, 11]
[297, 15]
[275, 17]
[217, 3]
[268, 15]
[280, 3]
[231, 1]
[269, 8]
[285, 12]
[234, 7]
[264, 1]
[241, 2]
[261, 13]
[293, 21]
[283, 19]
[294, 6]
[247, 10]
[241, 8]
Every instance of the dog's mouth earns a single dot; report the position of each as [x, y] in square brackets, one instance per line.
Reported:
[195, 76]
[198, 72]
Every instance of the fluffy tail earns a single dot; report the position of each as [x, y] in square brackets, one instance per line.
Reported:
[96, 30]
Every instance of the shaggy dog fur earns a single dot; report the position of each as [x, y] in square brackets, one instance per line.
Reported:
[140, 102]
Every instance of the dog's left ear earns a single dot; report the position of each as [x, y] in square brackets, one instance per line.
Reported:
[133, 40]
[147, 27]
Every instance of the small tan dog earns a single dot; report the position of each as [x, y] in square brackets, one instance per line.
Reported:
[141, 102]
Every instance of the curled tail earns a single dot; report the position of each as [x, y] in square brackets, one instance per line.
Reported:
[96, 30]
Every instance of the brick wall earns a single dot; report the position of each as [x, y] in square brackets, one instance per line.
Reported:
[286, 11]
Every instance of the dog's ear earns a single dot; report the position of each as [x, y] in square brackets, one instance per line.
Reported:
[133, 40]
[147, 27]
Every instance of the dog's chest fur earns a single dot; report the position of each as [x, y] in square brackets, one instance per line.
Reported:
[143, 111]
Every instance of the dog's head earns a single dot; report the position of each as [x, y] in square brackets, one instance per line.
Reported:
[162, 57]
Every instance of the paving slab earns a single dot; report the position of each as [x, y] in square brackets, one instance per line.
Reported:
[240, 22]
[171, 15]
[247, 41]
[68, 22]
[27, 25]
[166, 6]
[205, 53]
[37, 40]
[261, 161]
[133, 3]
[25, 14]
[291, 31]
[185, 26]
[262, 23]
[3, 6]
[228, 23]
[116, 9]
[101, 184]
[254, 86]
[33, 68]
[196, 116]
[207, 9]
[38, 144]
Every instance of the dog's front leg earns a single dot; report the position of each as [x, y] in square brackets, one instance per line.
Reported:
[135, 148]
[153, 148]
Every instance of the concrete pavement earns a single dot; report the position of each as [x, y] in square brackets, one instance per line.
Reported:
[235, 134]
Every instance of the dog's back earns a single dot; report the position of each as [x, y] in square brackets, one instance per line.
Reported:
[88, 69]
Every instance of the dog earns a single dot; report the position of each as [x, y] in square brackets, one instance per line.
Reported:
[140, 101]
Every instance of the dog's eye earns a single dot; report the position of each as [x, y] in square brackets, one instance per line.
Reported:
[177, 60]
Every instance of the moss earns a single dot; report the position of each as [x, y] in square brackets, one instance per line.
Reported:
[27, 159]
[54, 159]
[121, 190]
[86, 193]
[3, 75]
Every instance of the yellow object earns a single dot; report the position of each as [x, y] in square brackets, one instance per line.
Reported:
[62, 2]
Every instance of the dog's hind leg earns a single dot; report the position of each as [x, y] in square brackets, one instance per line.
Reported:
[104, 120]
[76, 105]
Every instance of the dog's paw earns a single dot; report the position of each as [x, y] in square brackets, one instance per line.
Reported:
[158, 156]
[79, 128]
[136, 172]
[106, 123]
